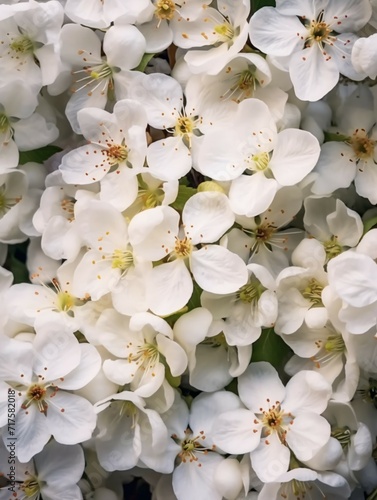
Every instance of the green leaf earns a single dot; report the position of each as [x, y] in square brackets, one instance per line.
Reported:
[369, 224]
[38, 155]
[16, 262]
[270, 347]
[144, 62]
[184, 193]
[258, 4]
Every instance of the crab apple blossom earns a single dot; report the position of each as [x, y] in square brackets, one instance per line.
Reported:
[212, 359]
[276, 420]
[110, 263]
[43, 373]
[273, 159]
[53, 473]
[146, 350]
[205, 218]
[29, 35]
[98, 78]
[223, 31]
[129, 432]
[196, 453]
[115, 152]
[315, 38]
[353, 155]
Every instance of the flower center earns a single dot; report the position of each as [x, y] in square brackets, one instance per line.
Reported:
[313, 292]
[342, 434]
[319, 31]
[6, 203]
[22, 45]
[261, 161]
[95, 76]
[146, 354]
[362, 145]
[30, 487]
[332, 248]
[191, 446]
[36, 394]
[251, 292]
[4, 123]
[184, 126]
[122, 259]
[275, 420]
[182, 248]
[68, 206]
[218, 340]
[100, 72]
[116, 153]
[165, 9]
[225, 31]
[263, 233]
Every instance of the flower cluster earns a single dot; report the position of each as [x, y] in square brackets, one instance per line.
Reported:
[188, 249]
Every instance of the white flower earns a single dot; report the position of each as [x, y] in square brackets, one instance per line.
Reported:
[353, 157]
[29, 34]
[299, 289]
[97, 78]
[353, 276]
[42, 373]
[52, 473]
[316, 39]
[147, 350]
[223, 30]
[303, 481]
[331, 222]
[364, 56]
[212, 361]
[155, 235]
[276, 420]
[197, 456]
[110, 264]
[254, 145]
[115, 152]
[129, 432]
[246, 311]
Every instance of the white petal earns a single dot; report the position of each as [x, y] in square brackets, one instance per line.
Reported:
[307, 435]
[218, 217]
[252, 195]
[218, 270]
[169, 287]
[70, 419]
[295, 155]
[260, 384]
[234, 432]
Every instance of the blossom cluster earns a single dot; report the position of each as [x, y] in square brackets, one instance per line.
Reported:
[188, 249]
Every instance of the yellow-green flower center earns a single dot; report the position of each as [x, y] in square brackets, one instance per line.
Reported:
[184, 126]
[122, 259]
[182, 248]
[225, 31]
[313, 292]
[332, 248]
[6, 203]
[342, 434]
[4, 123]
[165, 9]
[251, 292]
[261, 161]
[22, 45]
[30, 487]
